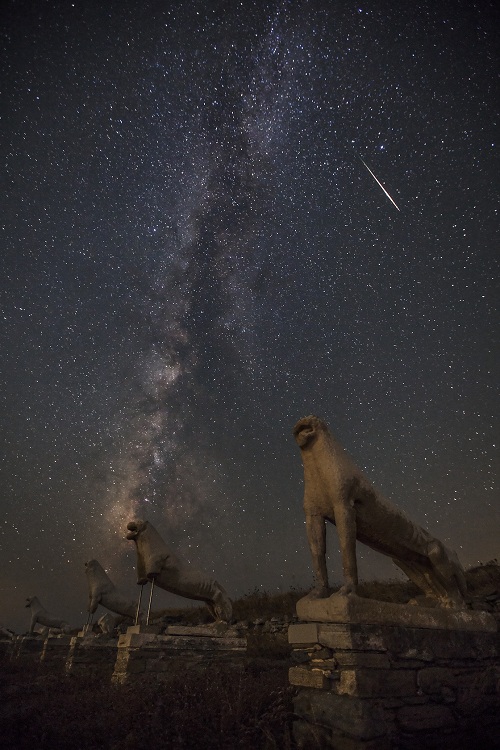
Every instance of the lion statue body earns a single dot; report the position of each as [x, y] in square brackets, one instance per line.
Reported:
[40, 615]
[155, 562]
[336, 490]
[109, 623]
[103, 591]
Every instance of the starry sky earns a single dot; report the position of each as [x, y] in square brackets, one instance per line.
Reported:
[195, 255]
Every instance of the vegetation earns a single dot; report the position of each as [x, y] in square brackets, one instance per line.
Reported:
[220, 708]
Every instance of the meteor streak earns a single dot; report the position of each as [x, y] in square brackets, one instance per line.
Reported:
[379, 183]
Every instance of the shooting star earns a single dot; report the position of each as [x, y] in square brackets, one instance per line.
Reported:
[379, 183]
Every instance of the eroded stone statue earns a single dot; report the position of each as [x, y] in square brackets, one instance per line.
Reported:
[156, 562]
[108, 623]
[103, 591]
[6, 634]
[40, 615]
[336, 490]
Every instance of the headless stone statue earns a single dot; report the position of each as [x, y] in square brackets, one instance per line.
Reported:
[40, 615]
[336, 490]
[103, 591]
[155, 562]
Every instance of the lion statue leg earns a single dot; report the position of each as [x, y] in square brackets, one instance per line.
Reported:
[441, 577]
[222, 606]
[418, 575]
[316, 536]
[448, 574]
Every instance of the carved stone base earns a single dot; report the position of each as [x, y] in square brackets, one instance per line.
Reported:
[355, 609]
[375, 686]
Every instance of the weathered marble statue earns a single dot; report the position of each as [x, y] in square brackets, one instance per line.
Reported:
[39, 614]
[6, 634]
[108, 623]
[103, 591]
[336, 490]
[156, 562]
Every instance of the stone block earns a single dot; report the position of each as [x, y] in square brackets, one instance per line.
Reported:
[133, 639]
[300, 656]
[370, 660]
[304, 633]
[322, 653]
[212, 630]
[324, 663]
[200, 643]
[432, 680]
[440, 645]
[377, 683]
[336, 636]
[425, 718]
[363, 720]
[356, 609]
[312, 678]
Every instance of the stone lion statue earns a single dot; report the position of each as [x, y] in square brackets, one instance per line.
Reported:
[6, 634]
[40, 615]
[155, 562]
[109, 623]
[103, 591]
[336, 490]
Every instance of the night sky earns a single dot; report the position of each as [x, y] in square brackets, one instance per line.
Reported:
[195, 255]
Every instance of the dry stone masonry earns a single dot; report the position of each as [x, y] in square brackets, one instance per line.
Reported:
[362, 686]
[149, 655]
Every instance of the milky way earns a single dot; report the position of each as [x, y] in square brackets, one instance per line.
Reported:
[195, 257]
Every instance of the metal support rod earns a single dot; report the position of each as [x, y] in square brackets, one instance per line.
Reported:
[89, 622]
[138, 612]
[150, 600]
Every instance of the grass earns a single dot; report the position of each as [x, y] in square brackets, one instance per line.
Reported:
[218, 708]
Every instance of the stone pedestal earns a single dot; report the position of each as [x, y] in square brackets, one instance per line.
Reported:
[143, 653]
[372, 685]
[27, 649]
[92, 656]
[55, 652]
[50, 652]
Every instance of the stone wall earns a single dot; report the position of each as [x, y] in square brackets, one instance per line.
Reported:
[373, 687]
[149, 655]
[139, 653]
[92, 656]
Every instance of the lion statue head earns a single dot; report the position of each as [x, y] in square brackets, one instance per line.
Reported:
[307, 430]
[134, 528]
